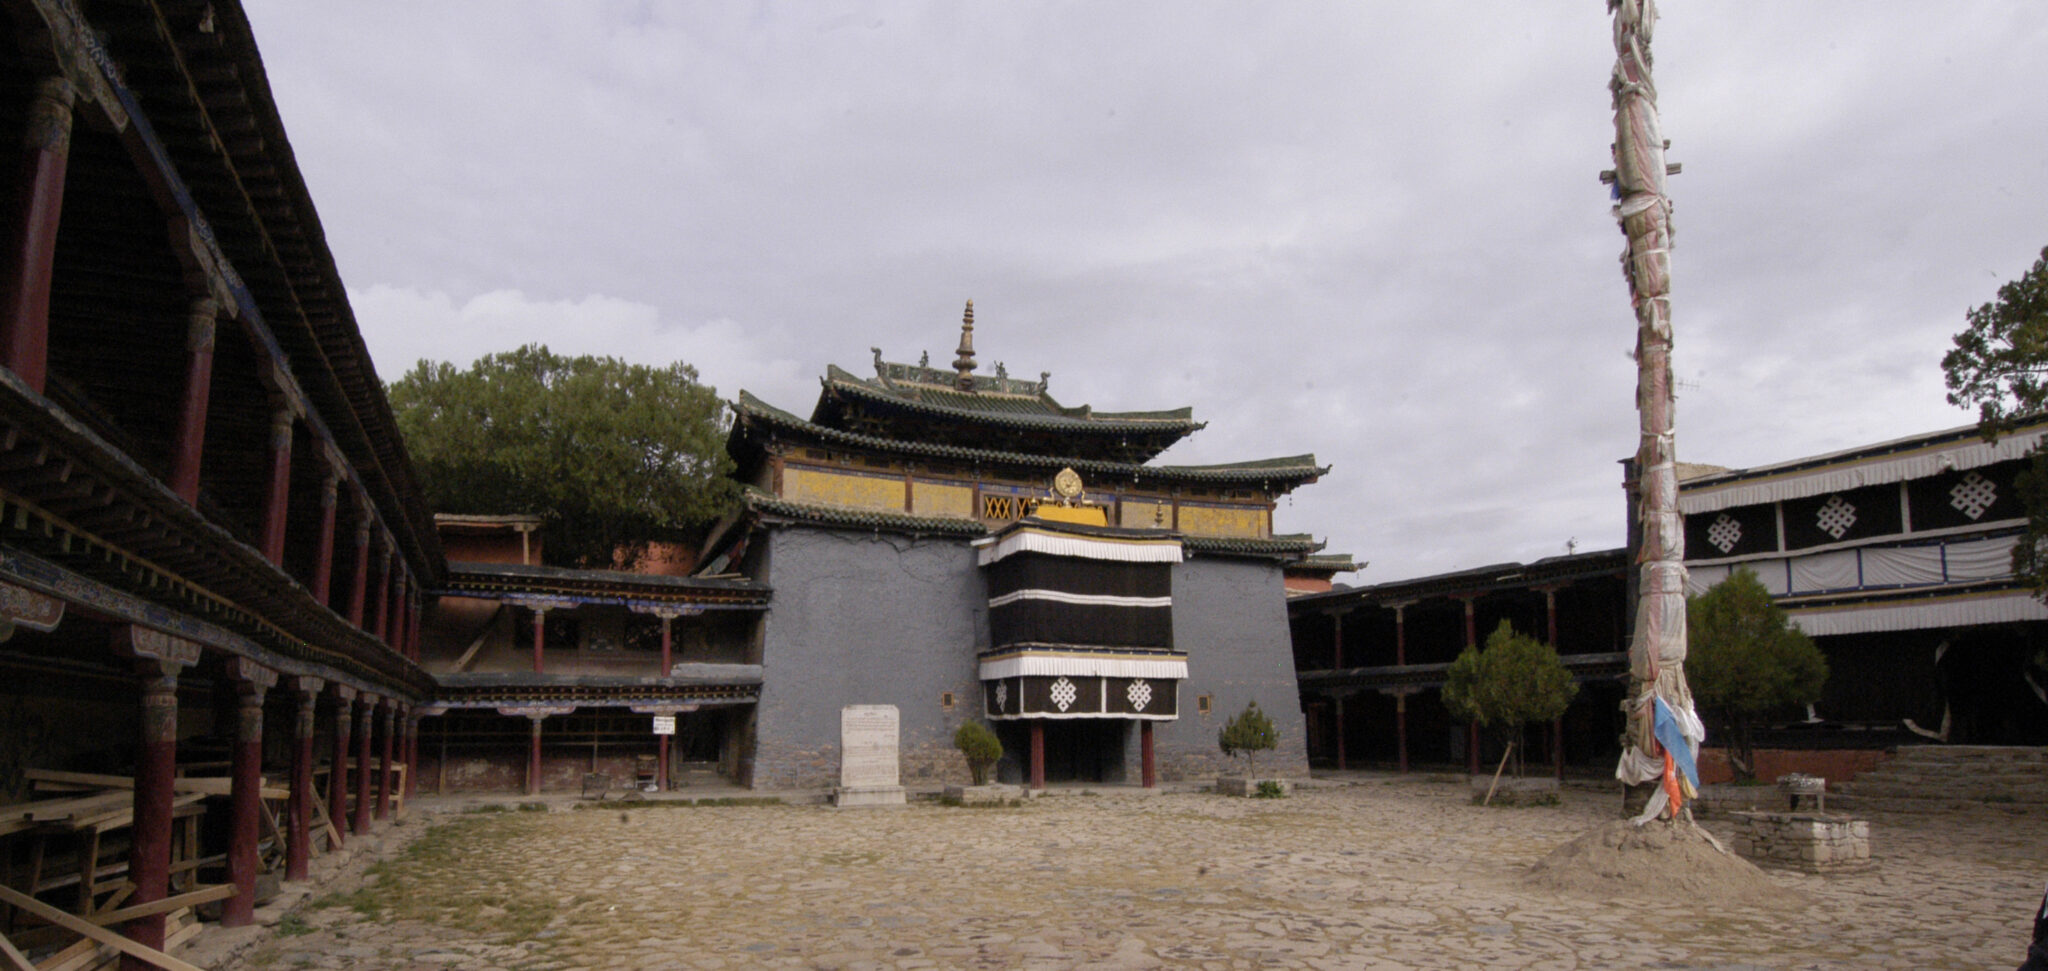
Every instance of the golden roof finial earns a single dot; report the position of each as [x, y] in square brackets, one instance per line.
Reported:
[964, 364]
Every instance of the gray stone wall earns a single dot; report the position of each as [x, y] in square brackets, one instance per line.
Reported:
[866, 618]
[870, 619]
[1230, 616]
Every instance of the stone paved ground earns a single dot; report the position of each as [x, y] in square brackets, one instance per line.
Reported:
[1382, 874]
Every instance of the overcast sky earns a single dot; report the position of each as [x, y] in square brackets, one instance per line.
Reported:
[1371, 231]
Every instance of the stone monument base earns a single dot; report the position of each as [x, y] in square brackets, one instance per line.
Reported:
[996, 794]
[851, 797]
[1813, 842]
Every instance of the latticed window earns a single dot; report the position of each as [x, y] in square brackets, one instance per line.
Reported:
[1002, 507]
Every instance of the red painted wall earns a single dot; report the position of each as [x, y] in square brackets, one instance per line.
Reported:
[1834, 765]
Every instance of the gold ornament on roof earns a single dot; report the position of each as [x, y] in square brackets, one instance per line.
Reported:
[1067, 486]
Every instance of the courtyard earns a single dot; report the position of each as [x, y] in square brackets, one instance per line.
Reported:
[1371, 872]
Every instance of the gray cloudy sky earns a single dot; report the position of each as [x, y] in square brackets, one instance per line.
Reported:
[1372, 231]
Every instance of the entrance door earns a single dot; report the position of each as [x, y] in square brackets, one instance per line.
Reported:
[1085, 749]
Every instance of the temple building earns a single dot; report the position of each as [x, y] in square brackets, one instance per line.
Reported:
[962, 545]
[213, 554]
[1895, 557]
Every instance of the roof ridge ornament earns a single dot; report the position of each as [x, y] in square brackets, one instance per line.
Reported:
[964, 364]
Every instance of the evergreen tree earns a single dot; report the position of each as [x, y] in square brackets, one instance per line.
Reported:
[1516, 679]
[1999, 365]
[614, 454]
[1748, 661]
[1248, 733]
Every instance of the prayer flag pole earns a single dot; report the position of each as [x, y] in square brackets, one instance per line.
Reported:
[1664, 732]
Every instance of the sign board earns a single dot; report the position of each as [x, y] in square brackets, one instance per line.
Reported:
[867, 746]
[664, 724]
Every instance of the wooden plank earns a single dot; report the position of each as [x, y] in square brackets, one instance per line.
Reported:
[219, 891]
[53, 810]
[80, 778]
[15, 958]
[211, 785]
[95, 932]
[81, 954]
[462, 663]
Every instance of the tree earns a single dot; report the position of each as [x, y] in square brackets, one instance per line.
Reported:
[2000, 365]
[1248, 733]
[1748, 661]
[1515, 680]
[614, 454]
[981, 747]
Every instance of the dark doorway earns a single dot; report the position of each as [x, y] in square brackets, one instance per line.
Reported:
[1085, 749]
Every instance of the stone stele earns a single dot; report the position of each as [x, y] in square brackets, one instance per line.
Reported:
[867, 757]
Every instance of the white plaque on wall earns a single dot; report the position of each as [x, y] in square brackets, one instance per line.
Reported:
[664, 724]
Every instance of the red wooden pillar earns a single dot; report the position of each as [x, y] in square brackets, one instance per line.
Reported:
[323, 558]
[1037, 753]
[395, 591]
[1401, 698]
[1148, 765]
[366, 708]
[191, 435]
[31, 253]
[245, 793]
[533, 757]
[412, 754]
[387, 742]
[277, 498]
[667, 643]
[1337, 702]
[337, 773]
[160, 658]
[540, 619]
[379, 627]
[1401, 726]
[1337, 699]
[298, 841]
[361, 583]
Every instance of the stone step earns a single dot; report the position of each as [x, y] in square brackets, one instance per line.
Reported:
[1852, 803]
[1970, 754]
[1981, 791]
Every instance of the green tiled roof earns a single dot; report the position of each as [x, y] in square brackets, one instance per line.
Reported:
[828, 515]
[1005, 406]
[1281, 546]
[1293, 469]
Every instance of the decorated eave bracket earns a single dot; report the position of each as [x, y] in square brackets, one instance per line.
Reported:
[86, 64]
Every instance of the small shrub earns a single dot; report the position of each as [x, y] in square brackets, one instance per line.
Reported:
[1247, 734]
[1269, 789]
[981, 747]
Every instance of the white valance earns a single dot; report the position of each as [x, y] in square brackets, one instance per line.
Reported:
[1930, 565]
[2000, 608]
[1030, 540]
[1083, 599]
[1856, 473]
[1082, 665]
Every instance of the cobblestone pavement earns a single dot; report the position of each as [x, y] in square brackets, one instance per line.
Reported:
[1386, 873]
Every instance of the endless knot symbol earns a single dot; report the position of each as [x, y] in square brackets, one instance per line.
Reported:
[1140, 693]
[1002, 696]
[1724, 533]
[1973, 495]
[1836, 517]
[1063, 694]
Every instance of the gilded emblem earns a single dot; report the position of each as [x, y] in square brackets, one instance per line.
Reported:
[1067, 484]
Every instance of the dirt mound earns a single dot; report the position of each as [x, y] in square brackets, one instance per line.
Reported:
[1659, 860]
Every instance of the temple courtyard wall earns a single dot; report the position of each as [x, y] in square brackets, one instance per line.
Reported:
[864, 617]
